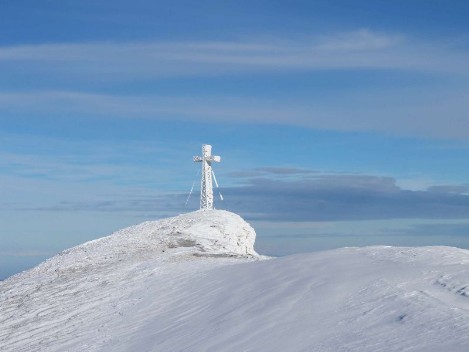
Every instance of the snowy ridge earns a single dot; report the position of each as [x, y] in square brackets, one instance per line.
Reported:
[64, 302]
[351, 299]
[203, 233]
[194, 283]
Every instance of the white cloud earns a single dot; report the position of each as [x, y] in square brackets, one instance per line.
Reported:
[436, 112]
[54, 166]
[428, 114]
[356, 49]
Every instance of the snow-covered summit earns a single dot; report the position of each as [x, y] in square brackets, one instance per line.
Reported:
[199, 233]
[69, 301]
[171, 285]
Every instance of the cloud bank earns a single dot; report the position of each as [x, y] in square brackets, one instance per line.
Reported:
[310, 198]
[342, 198]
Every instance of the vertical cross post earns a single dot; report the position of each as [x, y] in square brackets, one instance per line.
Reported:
[206, 186]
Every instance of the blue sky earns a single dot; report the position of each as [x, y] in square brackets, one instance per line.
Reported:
[339, 123]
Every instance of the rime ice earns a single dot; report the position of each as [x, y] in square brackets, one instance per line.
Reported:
[206, 186]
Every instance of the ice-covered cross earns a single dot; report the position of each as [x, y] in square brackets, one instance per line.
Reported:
[206, 187]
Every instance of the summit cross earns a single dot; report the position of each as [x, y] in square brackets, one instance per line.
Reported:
[206, 187]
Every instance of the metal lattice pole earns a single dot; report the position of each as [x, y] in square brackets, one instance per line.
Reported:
[206, 186]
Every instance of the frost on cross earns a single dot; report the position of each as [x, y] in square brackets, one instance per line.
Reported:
[206, 187]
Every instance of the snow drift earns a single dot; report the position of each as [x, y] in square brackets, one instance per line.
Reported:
[200, 233]
[195, 283]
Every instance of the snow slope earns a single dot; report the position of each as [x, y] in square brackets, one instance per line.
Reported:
[195, 283]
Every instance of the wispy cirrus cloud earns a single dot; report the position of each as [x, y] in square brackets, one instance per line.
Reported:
[428, 114]
[120, 61]
[62, 161]
[66, 77]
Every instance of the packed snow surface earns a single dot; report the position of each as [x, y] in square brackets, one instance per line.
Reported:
[195, 283]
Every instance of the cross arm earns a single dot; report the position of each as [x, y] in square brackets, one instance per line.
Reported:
[215, 158]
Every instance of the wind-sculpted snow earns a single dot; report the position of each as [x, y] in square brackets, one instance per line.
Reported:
[214, 232]
[68, 302]
[184, 293]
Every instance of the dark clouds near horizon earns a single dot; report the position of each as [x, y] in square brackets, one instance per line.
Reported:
[344, 197]
[303, 196]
